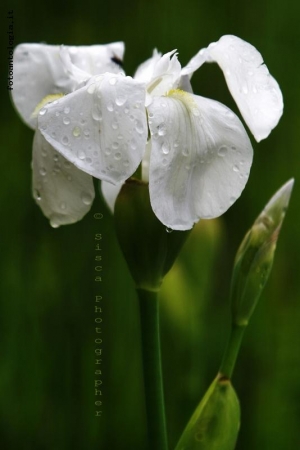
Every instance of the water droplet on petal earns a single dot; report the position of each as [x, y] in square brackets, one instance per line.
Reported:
[118, 156]
[115, 145]
[66, 120]
[165, 148]
[120, 100]
[162, 129]
[107, 151]
[169, 230]
[235, 168]
[91, 88]
[110, 107]
[37, 194]
[81, 155]
[86, 198]
[185, 152]
[112, 81]
[43, 171]
[42, 111]
[222, 150]
[66, 110]
[76, 131]
[67, 164]
[114, 126]
[53, 222]
[65, 140]
[139, 127]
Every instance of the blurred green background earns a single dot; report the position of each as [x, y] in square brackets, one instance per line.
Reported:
[47, 275]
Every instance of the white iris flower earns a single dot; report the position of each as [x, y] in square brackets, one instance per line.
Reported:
[43, 74]
[198, 157]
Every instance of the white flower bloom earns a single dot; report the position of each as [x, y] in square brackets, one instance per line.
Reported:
[200, 154]
[42, 74]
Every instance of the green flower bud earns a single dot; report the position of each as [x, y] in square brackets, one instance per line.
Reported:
[149, 248]
[216, 420]
[254, 259]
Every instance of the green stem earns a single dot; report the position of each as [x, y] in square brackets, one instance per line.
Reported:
[149, 313]
[232, 350]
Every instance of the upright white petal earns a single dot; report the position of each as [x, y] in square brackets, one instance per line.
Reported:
[101, 128]
[197, 61]
[200, 159]
[144, 72]
[255, 91]
[39, 72]
[64, 193]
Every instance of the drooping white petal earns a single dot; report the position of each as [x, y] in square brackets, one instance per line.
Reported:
[200, 159]
[255, 91]
[39, 71]
[64, 193]
[101, 128]
[110, 193]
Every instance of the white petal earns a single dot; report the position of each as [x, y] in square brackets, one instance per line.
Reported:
[200, 159]
[64, 193]
[161, 73]
[196, 62]
[255, 91]
[39, 71]
[101, 128]
[144, 72]
[110, 193]
[97, 59]
[146, 161]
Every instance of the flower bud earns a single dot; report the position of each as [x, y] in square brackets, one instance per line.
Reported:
[149, 248]
[216, 420]
[254, 259]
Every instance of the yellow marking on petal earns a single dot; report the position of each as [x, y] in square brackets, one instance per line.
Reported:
[186, 98]
[48, 99]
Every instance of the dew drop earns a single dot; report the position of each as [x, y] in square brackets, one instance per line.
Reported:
[254, 90]
[54, 223]
[162, 129]
[66, 120]
[110, 107]
[89, 160]
[139, 127]
[42, 111]
[37, 194]
[107, 151]
[115, 145]
[165, 148]
[245, 89]
[76, 131]
[55, 158]
[81, 155]
[185, 152]
[112, 81]
[222, 150]
[235, 168]
[126, 110]
[114, 126]
[86, 198]
[91, 88]
[164, 161]
[120, 100]
[169, 230]
[133, 144]
[86, 133]
[57, 113]
[120, 137]
[66, 110]
[43, 171]
[118, 156]
[96, 113]
[126, 163]
[65, 140]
